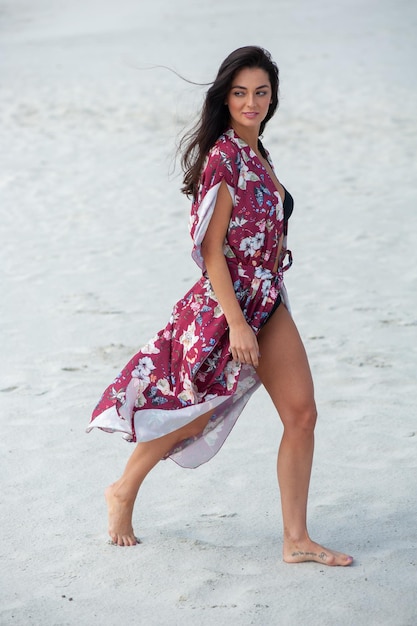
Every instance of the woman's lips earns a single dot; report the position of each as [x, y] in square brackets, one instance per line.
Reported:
[250, 115]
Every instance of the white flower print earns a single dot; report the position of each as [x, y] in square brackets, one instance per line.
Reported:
[246, 246]
[266, 287]
[143, 369]
[209, 293]
[240, 142]
[269, 225]
[189, 393]
[163, 386]
[263, 273]
[118, 395]
[139, 385]
[261, 225]
[246, 175]
[188, 337]
[237, 222]
[232, 370]
[167, 334]
[249, 245]
[259, 240]
[140, 401]
[246, 381]
[150, 347]
[279, 207]
[212, 436]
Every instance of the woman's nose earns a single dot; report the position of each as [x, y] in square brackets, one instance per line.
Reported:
[250, 100]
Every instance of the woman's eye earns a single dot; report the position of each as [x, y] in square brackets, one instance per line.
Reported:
[239, 94]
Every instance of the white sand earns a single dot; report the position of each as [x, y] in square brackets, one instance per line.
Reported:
[94, 252]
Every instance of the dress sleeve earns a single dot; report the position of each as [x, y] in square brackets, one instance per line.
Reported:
[222, 163]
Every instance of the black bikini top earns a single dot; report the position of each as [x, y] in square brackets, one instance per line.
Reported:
[288, 205]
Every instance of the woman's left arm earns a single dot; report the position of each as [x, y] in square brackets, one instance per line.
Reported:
[243, 342]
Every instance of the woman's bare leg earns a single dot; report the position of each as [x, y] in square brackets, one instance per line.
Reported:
[285, 373]
[121, 495]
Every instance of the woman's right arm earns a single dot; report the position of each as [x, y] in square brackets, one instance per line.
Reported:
[243, 342]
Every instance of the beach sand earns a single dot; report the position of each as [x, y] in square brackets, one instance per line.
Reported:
[95, 251]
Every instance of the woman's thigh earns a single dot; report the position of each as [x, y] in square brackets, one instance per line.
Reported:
[284, 369]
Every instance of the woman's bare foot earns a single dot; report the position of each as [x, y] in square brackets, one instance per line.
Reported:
[299, 552]
[120, 518]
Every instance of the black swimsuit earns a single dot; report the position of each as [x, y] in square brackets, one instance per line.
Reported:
[288, 205]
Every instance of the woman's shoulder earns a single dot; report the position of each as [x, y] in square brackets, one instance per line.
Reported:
[222, 162]
[225, 153]
[225, 144]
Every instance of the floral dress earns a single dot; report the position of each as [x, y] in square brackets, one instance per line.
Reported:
[187, 369]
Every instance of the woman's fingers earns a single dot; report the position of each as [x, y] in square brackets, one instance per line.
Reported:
[250, 357]
[244, 345]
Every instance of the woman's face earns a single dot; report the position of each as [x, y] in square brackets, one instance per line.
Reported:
[249, 98]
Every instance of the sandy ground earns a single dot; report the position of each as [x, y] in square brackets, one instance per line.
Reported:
[94, 252]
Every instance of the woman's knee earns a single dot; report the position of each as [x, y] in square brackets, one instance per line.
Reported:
[301, 419]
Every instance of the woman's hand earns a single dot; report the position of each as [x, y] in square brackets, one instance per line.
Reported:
[244, 344]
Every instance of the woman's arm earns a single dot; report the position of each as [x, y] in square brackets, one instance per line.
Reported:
[243, 342]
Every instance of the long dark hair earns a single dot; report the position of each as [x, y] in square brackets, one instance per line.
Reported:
[214, 118]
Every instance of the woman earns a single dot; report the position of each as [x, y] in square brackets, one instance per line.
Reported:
[181, 394]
